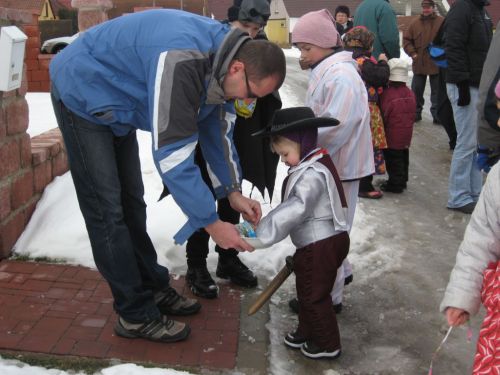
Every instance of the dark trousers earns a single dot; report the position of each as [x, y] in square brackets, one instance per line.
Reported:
[418, 87]
[365, 184]
[315, 268]
[397, 162]
[445, 111]
[197, 244]
[106, 173]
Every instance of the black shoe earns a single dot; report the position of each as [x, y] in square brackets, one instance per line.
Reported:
[294, 305]
[161, 329]
[170, 302]
[293, 340]
[467, 209]
[232, 268]
[391, 188]
[348, 279]
[418, 117]
[201, 283]
[435, 121]
[310, 350]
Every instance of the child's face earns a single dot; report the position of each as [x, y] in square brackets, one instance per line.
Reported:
[311, 54]
[288, 150]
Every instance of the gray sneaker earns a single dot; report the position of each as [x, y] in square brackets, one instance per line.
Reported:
[170, 302]
[162, 329]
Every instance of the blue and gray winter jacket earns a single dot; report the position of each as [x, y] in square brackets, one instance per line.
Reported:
[161, 71]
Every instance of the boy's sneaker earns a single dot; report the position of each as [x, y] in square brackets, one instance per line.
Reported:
[293, 340]
[311, 350]
[232, 268]
[201, 283]
[162, 329]
[170, 302]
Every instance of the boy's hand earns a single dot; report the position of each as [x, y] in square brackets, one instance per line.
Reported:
[382, 56]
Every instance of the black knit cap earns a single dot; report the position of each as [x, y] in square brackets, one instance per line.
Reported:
[256, 11]
[343, 9]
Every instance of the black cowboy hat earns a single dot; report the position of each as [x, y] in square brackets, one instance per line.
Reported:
[285, 120]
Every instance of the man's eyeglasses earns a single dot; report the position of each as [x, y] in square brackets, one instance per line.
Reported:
[250, 94]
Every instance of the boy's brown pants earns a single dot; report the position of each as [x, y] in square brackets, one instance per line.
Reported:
[315, 268]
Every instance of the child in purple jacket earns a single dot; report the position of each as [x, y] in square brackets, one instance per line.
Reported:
[397, 104]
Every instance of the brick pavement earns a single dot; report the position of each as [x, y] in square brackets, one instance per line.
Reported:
[67, 310]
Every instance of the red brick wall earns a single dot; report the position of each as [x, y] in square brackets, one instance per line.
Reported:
[27, 164]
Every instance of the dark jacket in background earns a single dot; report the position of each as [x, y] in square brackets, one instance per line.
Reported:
[467, 37]
[397, 104]
[488, 131]
[340, 28]
[420, 33]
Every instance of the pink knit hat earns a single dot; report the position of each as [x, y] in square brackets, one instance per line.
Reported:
[317, 28]
[497, 90]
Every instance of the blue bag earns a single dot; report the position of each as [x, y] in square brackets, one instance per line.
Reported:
[438, 55]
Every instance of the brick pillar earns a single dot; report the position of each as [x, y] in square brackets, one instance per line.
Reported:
[16, 174]
[91, 12]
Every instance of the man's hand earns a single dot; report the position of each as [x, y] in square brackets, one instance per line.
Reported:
[249, 208]
[382, 56]
[456, 317]
[226, 236]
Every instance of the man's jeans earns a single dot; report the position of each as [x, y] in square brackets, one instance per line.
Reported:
[106, 172]
[465, 182]
[418, 87]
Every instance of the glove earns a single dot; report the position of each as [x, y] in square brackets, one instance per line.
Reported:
[463, 93]
[487, 158]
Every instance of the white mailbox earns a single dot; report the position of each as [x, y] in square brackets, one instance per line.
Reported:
[12, 43]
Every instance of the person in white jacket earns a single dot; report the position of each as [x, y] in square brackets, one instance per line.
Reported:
[480, 246]
[336, 90]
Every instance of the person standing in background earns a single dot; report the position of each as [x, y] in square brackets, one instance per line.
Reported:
[420, 33]
[467, 34]
[342, 21]
[379, 17]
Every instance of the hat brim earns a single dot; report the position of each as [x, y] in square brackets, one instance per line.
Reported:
[315, 122]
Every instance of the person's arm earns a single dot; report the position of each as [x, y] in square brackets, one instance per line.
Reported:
[216, 141]
[457, 29]
[342, 97]
[480, 246]
[176, 91]
[388, 32]
[408, 41]
[303, 197]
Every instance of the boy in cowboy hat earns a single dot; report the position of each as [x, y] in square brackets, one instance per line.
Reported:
[313, 212]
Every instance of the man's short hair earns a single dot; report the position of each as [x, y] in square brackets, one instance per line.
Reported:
[262, 59]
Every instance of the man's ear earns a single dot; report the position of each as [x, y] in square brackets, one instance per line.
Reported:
[236, 66]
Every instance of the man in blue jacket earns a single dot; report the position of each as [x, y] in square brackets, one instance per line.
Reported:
[174, 74]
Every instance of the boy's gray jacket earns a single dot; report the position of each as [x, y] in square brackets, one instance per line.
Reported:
[311, 209]
[161, 71]
[480, 246]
